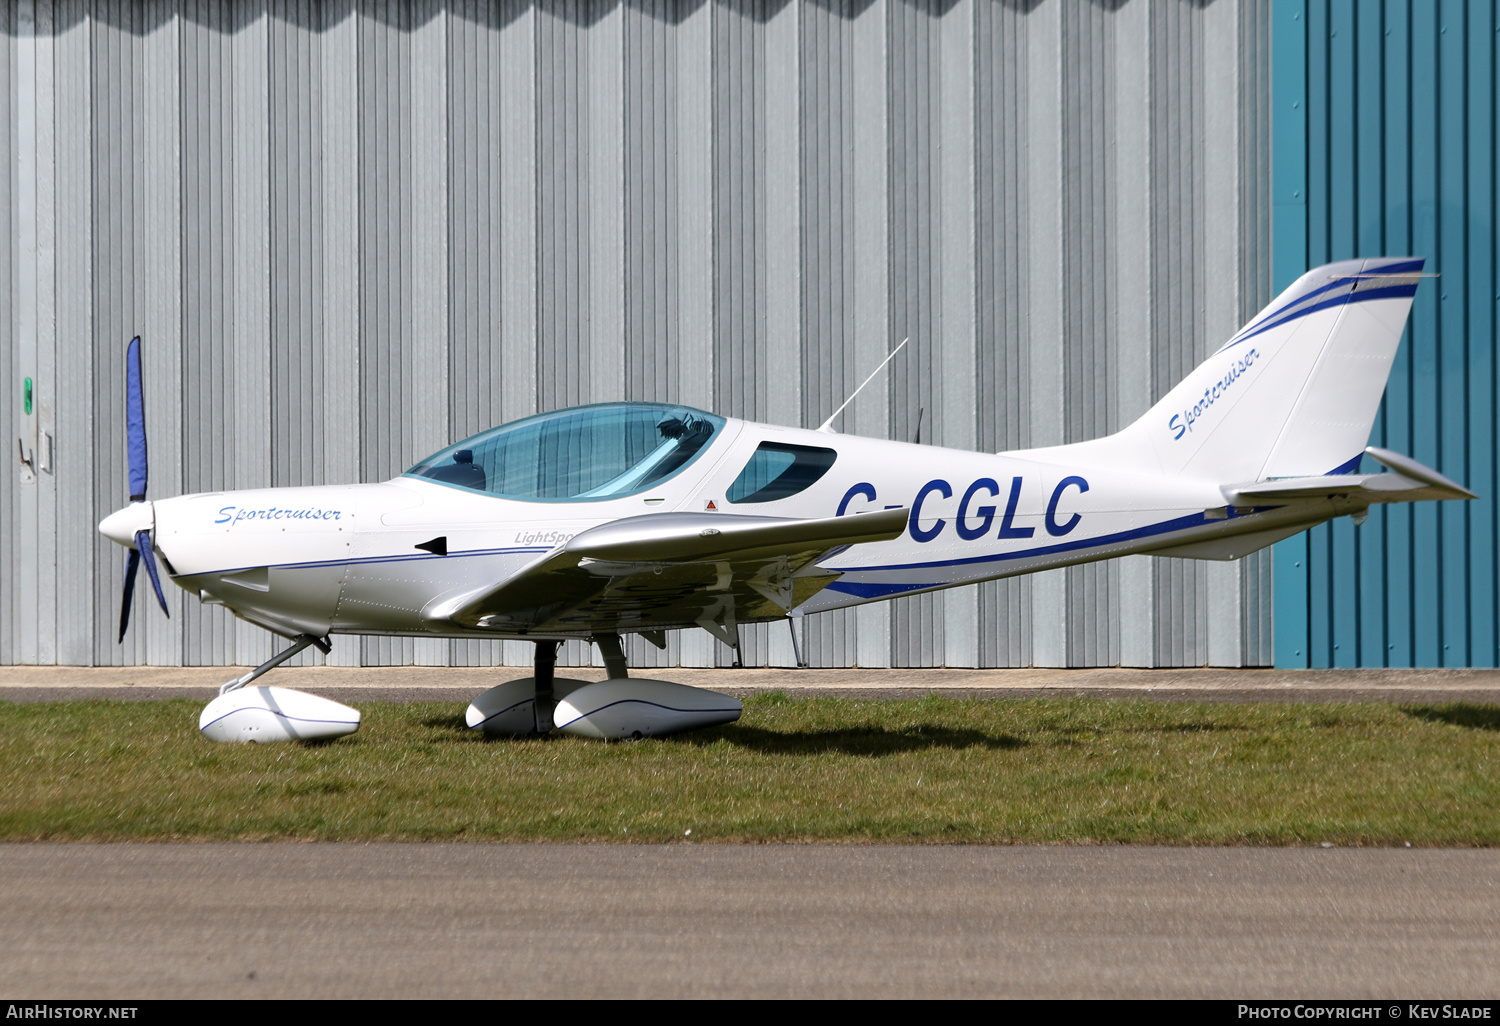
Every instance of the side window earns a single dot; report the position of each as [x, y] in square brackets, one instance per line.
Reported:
[778, 470]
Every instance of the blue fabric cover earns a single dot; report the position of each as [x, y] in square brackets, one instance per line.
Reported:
[135, 420]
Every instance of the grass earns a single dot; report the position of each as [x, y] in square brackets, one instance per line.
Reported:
[928, 770]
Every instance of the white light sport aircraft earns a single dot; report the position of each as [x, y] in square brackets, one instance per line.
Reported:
[622, 518]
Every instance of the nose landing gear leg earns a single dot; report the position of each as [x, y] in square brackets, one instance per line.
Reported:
[302, 641]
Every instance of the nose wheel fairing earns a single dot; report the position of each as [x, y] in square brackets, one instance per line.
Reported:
[263, 714]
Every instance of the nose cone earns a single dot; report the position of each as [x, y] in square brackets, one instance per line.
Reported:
[121, 526]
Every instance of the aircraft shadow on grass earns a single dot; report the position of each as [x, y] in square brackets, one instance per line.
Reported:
[871, 741]
[1460, 714]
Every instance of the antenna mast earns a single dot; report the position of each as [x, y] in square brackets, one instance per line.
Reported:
[824, 427]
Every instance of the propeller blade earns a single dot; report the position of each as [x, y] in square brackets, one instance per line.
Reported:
[143, 546]
[132, 564]
[135, 420]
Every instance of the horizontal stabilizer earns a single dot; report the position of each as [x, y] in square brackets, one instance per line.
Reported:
[1410, 482]
[1408, 467]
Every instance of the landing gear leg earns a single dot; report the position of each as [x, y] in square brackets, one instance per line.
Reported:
[302, 641]
[614, 656]
[544, 672]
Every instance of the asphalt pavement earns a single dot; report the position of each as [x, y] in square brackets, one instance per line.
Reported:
[686, 920]
[460, 684]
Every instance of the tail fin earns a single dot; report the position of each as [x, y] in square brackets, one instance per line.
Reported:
[1295, 393]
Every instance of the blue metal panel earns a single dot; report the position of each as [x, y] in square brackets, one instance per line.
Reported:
[1425, 327]
[1340, 90]
[1396, 409]
[1370, 238]
[1480, 329]
[1340, 574]
[1288, 260]
[1453, 427]
[1396, 148]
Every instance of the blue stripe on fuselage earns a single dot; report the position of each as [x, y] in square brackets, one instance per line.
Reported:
[375, 559]
[878, 590]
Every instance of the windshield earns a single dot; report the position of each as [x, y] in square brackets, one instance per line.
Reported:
[588, 452]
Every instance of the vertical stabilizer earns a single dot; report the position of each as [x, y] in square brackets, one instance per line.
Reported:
[1295, 392]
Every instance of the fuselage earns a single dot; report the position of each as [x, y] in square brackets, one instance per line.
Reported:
[376, 558]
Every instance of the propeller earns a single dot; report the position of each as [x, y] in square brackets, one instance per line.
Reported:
[135, 438]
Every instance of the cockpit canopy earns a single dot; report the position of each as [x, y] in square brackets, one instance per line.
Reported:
[588, 452]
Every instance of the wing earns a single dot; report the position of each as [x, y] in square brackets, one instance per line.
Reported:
[663, 570]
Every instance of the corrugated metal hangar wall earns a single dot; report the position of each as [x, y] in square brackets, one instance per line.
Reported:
[351, 233]
[1385, 143]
